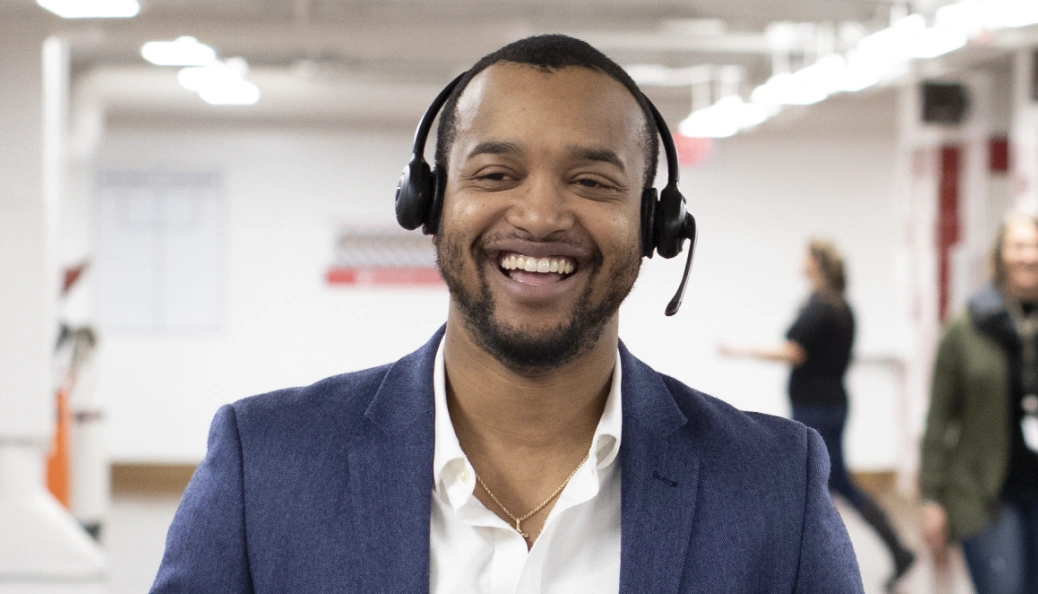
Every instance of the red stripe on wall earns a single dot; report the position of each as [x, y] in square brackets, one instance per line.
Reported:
[948, 227]
[386, 275]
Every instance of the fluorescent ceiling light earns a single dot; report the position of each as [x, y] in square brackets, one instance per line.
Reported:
[824, 77]
[702, 124]
[887, 52]
[221, 83]
[184, 51]
[894, 44]
[725, 118]
[745, 115]
[861, 73]
[932, 43]
[974, 16]
[230, 92]
[967, 18]
[787, 89]
[1012, 13]
[196, 77]
[92, 9]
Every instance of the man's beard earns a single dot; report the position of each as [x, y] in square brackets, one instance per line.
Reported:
[525, 351]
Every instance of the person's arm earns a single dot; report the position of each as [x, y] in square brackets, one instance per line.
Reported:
[812, 322]
[827, 561]
[205, 546]
[788, 352]
[945, 404]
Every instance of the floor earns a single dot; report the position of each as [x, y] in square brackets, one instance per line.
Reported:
[136, 533]
[875, 562]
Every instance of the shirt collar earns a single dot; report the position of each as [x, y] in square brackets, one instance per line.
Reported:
[453, 476]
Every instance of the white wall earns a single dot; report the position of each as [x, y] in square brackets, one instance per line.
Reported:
[285, 194]
[756, 201]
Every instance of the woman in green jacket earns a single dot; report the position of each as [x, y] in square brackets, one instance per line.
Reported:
[979, 474]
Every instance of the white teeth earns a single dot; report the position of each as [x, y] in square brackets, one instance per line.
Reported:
[539, 265]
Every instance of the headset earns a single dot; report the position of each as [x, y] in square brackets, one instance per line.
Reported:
[665, 223]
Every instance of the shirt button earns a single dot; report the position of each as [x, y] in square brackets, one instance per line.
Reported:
[466, 475]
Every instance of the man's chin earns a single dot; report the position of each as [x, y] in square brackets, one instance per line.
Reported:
[536, 332]
[539, 349]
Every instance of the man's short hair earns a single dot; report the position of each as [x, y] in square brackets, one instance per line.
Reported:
[549, 53]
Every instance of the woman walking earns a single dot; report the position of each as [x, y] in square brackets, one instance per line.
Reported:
[979, 473]
[818, 348]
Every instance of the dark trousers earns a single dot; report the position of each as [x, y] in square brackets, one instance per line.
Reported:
[829, 422]
[1003, 559]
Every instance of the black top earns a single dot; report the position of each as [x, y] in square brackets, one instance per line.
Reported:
[824, 328]
[1022, 474]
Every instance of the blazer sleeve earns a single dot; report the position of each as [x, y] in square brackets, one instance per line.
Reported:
[827, 561]
[205, 547]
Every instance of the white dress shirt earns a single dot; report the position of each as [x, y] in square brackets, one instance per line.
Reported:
[474, 551]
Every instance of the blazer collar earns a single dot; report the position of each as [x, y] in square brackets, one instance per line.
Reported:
[406, 393]
[659, 481]
[390, 477]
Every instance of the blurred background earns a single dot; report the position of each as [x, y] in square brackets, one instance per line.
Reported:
[196, 206]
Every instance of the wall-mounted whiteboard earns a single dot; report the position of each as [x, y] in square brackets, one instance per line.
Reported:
[161, 255]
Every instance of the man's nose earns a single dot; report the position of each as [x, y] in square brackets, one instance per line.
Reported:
[541, 208]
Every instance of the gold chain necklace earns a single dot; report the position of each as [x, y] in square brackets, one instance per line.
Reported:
[519, 520]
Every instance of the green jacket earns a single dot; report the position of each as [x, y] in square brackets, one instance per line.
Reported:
[965, 451]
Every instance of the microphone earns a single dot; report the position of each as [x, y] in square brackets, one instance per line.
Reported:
[688, 231]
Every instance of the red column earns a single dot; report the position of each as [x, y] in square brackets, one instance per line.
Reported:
[948, 225]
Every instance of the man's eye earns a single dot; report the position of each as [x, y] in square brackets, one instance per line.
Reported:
[497, 176]
[592, 183]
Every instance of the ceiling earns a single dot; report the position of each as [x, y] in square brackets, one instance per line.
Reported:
[381, 61]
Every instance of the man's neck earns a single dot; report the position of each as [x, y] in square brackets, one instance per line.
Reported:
[524, 433]
[495, 405]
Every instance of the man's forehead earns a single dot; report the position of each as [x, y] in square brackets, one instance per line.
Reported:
[574, 91]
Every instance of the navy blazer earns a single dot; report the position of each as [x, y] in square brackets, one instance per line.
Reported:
[327, 489]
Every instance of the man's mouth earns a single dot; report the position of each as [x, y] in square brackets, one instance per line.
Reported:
[534, 270]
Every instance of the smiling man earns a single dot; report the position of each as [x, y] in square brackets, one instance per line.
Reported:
[523, 449]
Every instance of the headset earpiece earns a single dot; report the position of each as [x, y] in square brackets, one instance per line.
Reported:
[432, 219]
[414, 193]
[669, 224]
[416, 196]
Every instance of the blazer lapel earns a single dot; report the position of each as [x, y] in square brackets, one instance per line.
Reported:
[659, 479]
[390, 476]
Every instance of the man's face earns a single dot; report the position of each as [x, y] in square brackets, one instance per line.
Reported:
[539, 241]
[1020, 256]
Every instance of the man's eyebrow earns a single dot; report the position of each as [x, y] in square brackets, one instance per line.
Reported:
[494, 148]
[596, 154]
